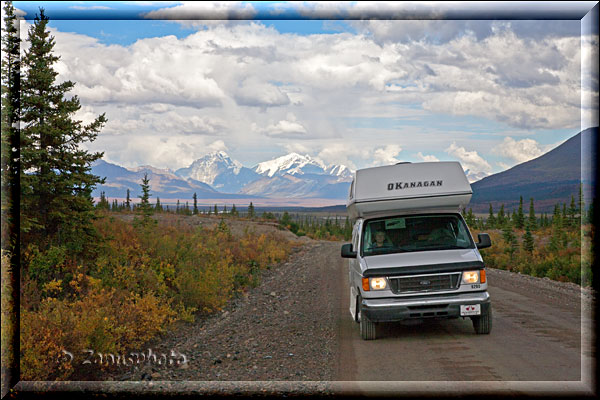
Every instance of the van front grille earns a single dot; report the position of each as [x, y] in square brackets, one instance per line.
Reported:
[424, 283]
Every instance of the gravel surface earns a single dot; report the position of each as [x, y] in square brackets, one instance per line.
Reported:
[287, 330]
[281, 330]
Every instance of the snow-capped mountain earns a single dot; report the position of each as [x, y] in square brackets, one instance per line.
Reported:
[341, 171]
[216, 174]
[163, 183]
[292, 164]
[220, 171]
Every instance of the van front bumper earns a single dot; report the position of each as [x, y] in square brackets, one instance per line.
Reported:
[440, 306]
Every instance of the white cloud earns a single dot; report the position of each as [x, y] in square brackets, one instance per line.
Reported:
[91, 8]
[473, 164]
[204, 13]
[427, 158]
[221, 80]
[254, 92]
[386, 155]
[519, 151]
[289, 128]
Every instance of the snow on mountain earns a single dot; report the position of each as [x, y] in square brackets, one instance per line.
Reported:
[158, 171]
[341, 171]
[292, 164]
[209, 167]
[220, 171]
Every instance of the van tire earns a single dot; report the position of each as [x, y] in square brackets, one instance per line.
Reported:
[367, 327]
[483, 323]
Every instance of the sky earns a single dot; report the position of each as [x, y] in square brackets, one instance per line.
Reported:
[347, 83]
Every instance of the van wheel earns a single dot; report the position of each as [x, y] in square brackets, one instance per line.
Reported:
[367, 327]
[483, 323]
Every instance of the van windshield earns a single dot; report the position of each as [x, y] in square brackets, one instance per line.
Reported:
[415, 233]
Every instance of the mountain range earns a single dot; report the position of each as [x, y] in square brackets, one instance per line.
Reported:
[549, 179]
[217, 176]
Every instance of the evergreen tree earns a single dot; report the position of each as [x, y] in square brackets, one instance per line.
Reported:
[195, 204]
[251, 212]
[216, 211]
[158, 207]
[10, 134]
[500, 218]
[56, 183]
[491, 221]
[558, 238]
[528, 242]
[520, 222]
[572, 213]
[532, 221]
[234, 211]
[144, 209]
[177, 210]
[509, 238]
[581, 205]
[128, 201]
[470, 219]
[186, 210]
[224, 209]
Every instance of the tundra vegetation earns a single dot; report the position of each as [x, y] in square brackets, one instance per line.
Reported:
[89, 280]
[557, 246]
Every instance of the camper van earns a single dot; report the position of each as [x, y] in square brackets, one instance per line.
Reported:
[412, 255]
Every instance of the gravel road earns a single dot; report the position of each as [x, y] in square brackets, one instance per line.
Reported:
[293, 334]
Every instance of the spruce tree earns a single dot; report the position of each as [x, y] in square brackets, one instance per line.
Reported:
[144, 209]
[500, 218]
[216, 211]
[195, 204]
[520, 222]
[251, 212]
[532, 221]
[572, 213]
[581, 205]
[528, 242]
[158, 206]
[491, 222]
[509, 238]
[10, 133]
[56, 183]
[128, 201]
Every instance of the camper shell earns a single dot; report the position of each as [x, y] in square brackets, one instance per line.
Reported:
[412, 255]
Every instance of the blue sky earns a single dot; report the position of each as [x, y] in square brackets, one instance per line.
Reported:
[490, 94]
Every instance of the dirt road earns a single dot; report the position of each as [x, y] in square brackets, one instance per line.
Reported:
[294, 334]
[536, 336]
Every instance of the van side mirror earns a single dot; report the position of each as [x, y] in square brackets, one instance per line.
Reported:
[347, 251]
[484, 241]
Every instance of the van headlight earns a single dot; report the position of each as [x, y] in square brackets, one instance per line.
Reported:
[470, 277]
[378, 283]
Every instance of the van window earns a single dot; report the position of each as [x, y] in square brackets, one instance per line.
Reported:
[415, 233]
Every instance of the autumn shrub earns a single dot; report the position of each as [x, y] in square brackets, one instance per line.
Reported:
[558, 259]
[142, 281]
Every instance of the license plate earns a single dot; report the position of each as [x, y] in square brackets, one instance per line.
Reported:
[473, 309]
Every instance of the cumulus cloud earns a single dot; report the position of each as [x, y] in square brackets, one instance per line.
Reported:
[519, 151]
[257, 93]
[288, 128]
[203, 13]
[427, 158]
[386, 155]
[223, 79]
[474, 165]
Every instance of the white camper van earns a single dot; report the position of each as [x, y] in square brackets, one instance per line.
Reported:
[412, 255]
